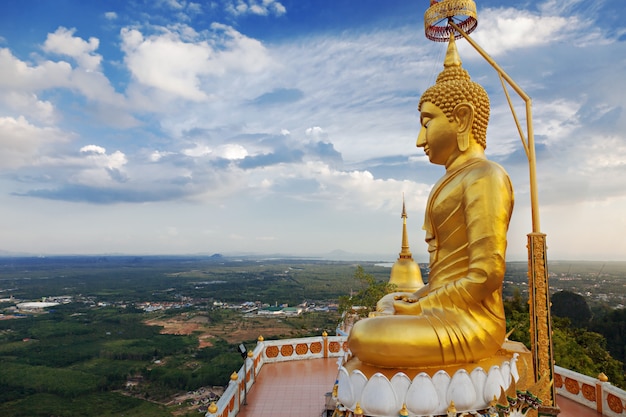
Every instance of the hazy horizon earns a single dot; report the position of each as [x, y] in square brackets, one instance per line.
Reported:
[334, 255]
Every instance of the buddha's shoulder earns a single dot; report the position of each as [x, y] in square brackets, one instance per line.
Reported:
[485, 168]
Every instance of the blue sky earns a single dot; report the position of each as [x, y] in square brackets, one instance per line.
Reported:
[264, 126]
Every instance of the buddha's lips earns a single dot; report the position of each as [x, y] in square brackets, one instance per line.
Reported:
[426, 149]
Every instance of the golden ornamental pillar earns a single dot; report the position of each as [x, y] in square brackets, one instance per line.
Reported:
[325, 340]
[541, 321]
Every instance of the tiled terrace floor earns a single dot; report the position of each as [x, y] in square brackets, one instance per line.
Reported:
[298, 388]
[291, 389]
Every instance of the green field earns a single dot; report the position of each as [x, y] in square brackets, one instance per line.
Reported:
[76, 359]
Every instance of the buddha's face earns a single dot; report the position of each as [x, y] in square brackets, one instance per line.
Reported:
[438, 136]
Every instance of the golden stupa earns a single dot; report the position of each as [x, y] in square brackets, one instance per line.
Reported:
[405, 273]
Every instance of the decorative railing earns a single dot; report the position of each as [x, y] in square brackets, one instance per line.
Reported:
[595, 393]
[271, 351]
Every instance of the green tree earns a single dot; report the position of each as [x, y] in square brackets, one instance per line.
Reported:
[517, 318]
[612, 325]
[370, 291]
[572, 306]
[574, 348]
[583, 351]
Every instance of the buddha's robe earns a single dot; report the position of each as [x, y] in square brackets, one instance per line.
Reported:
[459, 316]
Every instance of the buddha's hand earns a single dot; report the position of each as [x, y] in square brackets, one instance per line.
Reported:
[407, 305]
[385, 306]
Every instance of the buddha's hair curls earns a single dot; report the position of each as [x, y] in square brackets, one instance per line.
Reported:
[453, 87]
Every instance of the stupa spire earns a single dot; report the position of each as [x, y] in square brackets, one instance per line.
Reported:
[405, 273]
[405, 252]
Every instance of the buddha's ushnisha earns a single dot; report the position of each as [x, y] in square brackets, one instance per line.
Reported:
[458, 317]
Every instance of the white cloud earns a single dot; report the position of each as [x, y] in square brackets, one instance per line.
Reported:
[110, 15]
[95, 168]
[167, 63]
[556, 119]
[343, 85]
[182, 10]
[604, 153]
[22, 143]
[343, 190]
[172, 62]
[506, 29]
[315, 132]
[63, 42]
[30, 106]
[502, 30]
[22, 82]
[174, 4]
[262, 8]
[239, 52]
[18, 75]
[353, 189]
[279, 9]
[116, 160]
[227, 151]
[93, 149]
[198, 151]
[195, 8]
[156, 156]
[231, 151]
[563, 7]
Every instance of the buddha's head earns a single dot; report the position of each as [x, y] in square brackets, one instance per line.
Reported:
[454, 90]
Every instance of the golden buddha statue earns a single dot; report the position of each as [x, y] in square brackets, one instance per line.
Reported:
[458, 317]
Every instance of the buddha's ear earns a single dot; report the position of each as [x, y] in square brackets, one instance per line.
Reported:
[463, 115]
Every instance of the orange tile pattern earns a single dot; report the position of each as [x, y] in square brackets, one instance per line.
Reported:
[298, 388]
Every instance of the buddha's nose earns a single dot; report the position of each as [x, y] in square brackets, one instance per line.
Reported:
[421, 138]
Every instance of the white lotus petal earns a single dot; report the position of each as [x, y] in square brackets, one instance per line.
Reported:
[358, 381]
[479, 377]
[493, 384]
[441, 380]
[422, 397]
[378, 398]
[461, 391]
[400, 383]
[514, 372]
[344, 388]
[505, 370]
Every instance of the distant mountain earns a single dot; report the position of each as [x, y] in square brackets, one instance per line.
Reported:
[334, 255]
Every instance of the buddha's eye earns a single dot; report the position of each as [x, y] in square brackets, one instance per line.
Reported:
[426, 123]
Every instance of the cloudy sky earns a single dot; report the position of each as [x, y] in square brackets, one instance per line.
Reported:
[289, 126]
